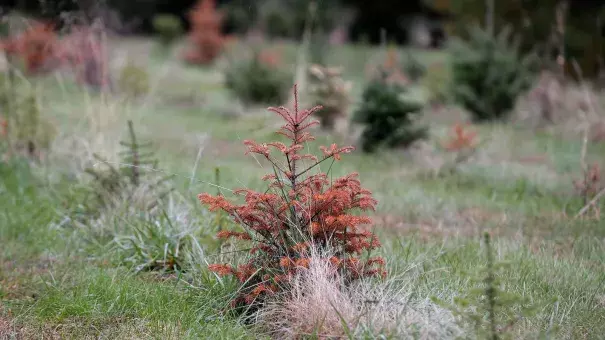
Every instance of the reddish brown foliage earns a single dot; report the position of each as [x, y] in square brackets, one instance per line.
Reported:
[206, 38]
[462, 139]
[81, 50]
[36, 46]
[299, 211]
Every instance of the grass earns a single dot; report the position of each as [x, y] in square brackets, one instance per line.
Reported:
[56, 282]
[48, 286]
[109, 296]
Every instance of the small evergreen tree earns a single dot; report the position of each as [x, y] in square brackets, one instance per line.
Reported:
[136, 160]
[258, 80]
[388, 116]
[492, 311]
[489, 73]
[413, 68]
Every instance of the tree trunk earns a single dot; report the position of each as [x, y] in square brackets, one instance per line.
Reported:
[600, 56]
[10, 84]
[561, 18]
[489, 16]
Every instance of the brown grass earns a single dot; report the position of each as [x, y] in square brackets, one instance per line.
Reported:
[319, 304]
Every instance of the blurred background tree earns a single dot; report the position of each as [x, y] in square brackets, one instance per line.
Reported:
[551, 27]
[534, 20]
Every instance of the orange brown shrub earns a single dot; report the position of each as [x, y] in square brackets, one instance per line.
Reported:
[36, 46]
[207, 41]
[462, 139]
[299, 212]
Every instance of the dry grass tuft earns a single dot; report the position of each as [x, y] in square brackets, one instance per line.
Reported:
[320, 305]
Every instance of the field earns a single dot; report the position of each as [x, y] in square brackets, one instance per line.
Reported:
[61, 279]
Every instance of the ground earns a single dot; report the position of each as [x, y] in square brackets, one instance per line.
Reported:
[54, 283]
